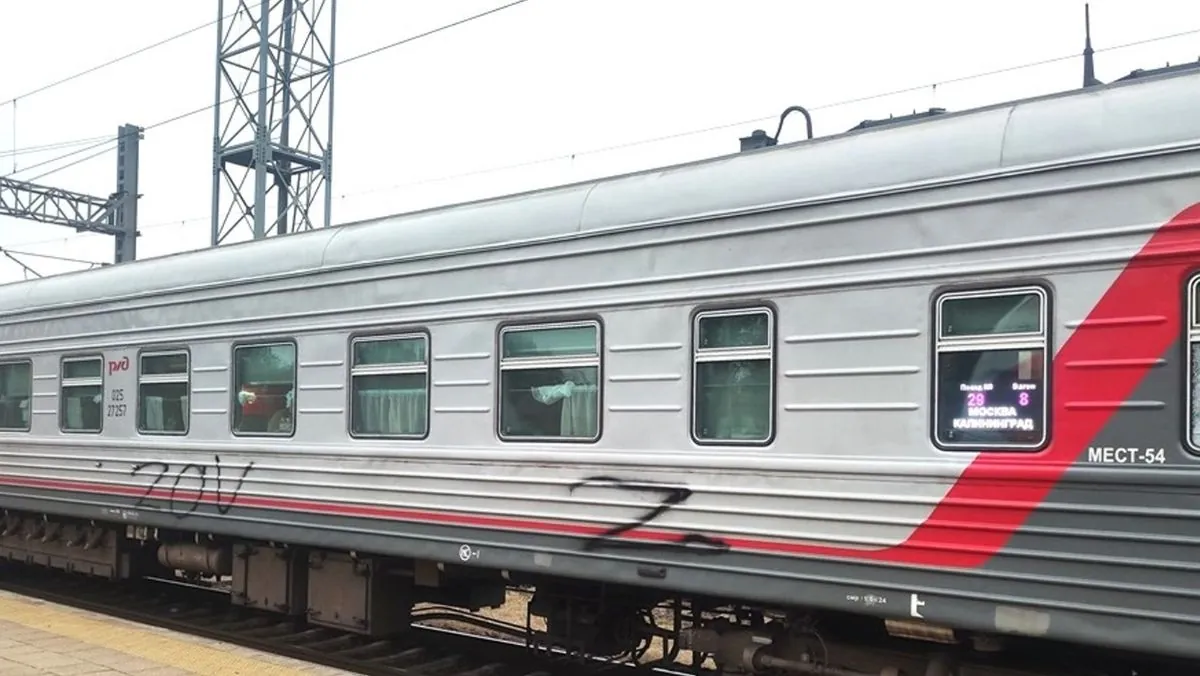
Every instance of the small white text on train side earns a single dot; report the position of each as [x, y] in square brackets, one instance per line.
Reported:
[115, 407]
[1126, 455]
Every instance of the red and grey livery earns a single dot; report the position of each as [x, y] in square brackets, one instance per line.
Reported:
[940, 373]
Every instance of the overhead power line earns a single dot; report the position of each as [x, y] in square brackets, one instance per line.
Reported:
[433, 31]
[750, 121]
[657, 139]
[47, 147]
[356, 57]
[14, 153]
[142, 50]
[603, 149]
[81, 160]
[113, 214]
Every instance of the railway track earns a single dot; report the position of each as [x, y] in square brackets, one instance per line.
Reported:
[199, 611]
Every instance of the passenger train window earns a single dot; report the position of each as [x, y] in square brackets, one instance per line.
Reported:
[163, 389]
[389, 386]
[733, 376]
[990, 377]
[81, 392]
[265, 388]
[549, 382]
[1193, 359]
[16, 387]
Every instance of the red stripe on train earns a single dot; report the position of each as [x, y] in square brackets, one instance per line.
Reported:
[995, 493]
[1151, 286]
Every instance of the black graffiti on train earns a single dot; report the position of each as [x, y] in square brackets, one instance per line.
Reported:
[672, 495]
[182, 501]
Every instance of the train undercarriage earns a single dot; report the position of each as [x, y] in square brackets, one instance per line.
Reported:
[381, 596]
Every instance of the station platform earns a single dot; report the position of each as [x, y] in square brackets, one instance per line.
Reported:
[38, 638]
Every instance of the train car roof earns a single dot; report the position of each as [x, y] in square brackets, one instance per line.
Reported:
[1155, 111]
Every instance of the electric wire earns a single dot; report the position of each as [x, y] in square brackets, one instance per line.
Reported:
[47, 147]
[749, 121]
[667, 137]
[13, 153]
[430, 32]
[603, 149]
[110, 62]
[81, 160]
[197, 111]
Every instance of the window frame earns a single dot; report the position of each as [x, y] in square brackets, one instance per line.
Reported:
[63, 384]
[529, 363]
[387, 370]
[710, 355]
[234, 386]
[29, 362]
[1191, 336]
[1041, 339]
[163, 379]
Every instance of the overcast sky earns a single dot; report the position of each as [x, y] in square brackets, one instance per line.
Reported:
[549, 79]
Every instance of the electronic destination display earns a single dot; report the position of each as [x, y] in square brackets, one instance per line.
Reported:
[990, 396]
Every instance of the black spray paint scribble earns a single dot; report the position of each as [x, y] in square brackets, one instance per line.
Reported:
[672, 496]
[164, 473]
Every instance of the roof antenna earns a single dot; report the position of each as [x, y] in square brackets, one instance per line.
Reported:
[1089, 62]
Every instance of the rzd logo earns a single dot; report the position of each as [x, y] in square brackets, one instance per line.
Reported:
[118, 365]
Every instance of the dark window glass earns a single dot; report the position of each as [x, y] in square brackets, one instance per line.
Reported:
[733, 377]
[264, 398]
[81, 408]
[992, 315]
[733, 400]
[163, 393]
[16, 388]
[555, 400]
[734, 331]
[389, 387]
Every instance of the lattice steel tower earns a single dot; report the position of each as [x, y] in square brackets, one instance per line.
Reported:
[274, 117]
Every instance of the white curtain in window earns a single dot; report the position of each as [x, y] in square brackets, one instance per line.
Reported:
[155, 416]
[579, 409]
[579, 412]
[74, 413]
[392, 411]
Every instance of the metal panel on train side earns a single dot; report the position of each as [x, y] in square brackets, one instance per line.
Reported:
[851, 472]
[1149, 113]
[828, 481]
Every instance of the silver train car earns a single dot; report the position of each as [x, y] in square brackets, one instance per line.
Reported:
[938, 378]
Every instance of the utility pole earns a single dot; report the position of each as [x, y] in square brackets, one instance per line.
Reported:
[114, 215]
[273, 118]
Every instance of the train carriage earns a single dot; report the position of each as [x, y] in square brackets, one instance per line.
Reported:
[938, 373]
